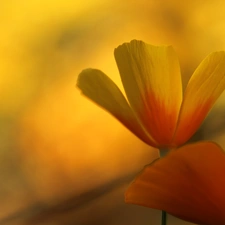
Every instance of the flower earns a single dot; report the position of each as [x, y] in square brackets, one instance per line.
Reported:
[188, 182]
[158, 112]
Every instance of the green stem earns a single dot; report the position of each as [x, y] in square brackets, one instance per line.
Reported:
[163, 153]
[163, 218]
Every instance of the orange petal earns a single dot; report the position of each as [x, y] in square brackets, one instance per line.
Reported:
[102, 90]
[188, 183]
[203, 89]
[152, 82]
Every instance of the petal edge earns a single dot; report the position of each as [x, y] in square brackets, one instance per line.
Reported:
[188, 183]
[98, 87]
[203, 89]
[149, 75]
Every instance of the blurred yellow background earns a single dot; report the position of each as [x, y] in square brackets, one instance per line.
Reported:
[63, 159]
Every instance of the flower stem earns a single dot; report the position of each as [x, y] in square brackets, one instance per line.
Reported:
[163, 218]
[162, 153]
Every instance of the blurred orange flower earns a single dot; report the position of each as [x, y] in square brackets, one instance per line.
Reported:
[158, 112]
[188, 183]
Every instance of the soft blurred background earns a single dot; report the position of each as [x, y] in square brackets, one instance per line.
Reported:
[63, 159]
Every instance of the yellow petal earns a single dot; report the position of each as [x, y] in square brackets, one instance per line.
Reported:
[188, 183]
[152, 82]
[102, 90]
[203, 89]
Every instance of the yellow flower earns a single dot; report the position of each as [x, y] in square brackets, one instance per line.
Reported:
[158, 112]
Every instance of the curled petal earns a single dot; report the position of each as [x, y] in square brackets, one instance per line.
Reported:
[102, 90]
[203, 89]
[188, 183]
[152, 82]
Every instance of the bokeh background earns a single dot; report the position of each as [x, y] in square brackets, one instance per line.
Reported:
[63, 160]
